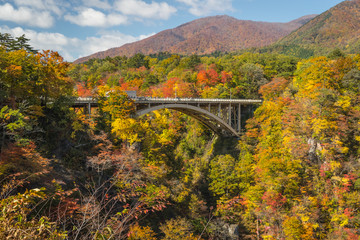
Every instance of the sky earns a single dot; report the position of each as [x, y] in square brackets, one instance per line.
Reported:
[78, 28]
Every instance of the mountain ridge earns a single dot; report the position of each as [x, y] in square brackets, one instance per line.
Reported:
[338, 27]
[207, 35]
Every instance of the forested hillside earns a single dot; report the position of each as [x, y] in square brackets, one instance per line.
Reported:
[207, 35]
[309, 36]
[336, 28]
[294, 173]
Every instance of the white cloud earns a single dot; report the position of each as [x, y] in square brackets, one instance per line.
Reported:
[46, 5]
[109, 40]
[45, 40]
[27, 16]
[91, 13]
[94, 18]
[140, 8]
[101, 4]
[73, 48]
[206, 7]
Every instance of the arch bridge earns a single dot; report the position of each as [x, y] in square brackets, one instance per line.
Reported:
[223, 116]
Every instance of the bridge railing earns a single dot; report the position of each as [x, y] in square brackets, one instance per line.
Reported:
[178, 100]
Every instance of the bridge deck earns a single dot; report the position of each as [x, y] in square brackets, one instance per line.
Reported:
[81, 101]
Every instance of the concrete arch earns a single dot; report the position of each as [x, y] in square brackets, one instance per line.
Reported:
[209, 119]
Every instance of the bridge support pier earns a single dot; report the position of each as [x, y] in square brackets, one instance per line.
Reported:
[239, 118]
[87, 109]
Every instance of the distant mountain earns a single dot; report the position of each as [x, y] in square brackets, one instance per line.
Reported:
[207, 35]
[339, 27]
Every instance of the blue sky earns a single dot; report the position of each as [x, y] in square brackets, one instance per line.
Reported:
[77, 28]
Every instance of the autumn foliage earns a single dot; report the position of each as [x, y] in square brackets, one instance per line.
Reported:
[293, 174]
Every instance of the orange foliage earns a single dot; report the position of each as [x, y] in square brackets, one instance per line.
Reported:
[273, 88]
[226, 77]
[83, 91]
[67, 205]
[274, 200]
[172, 86]
[133, 85]
[23, 159]
[207, 78]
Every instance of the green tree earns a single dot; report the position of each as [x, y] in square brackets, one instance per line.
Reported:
[18, 43]
[138, 60]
